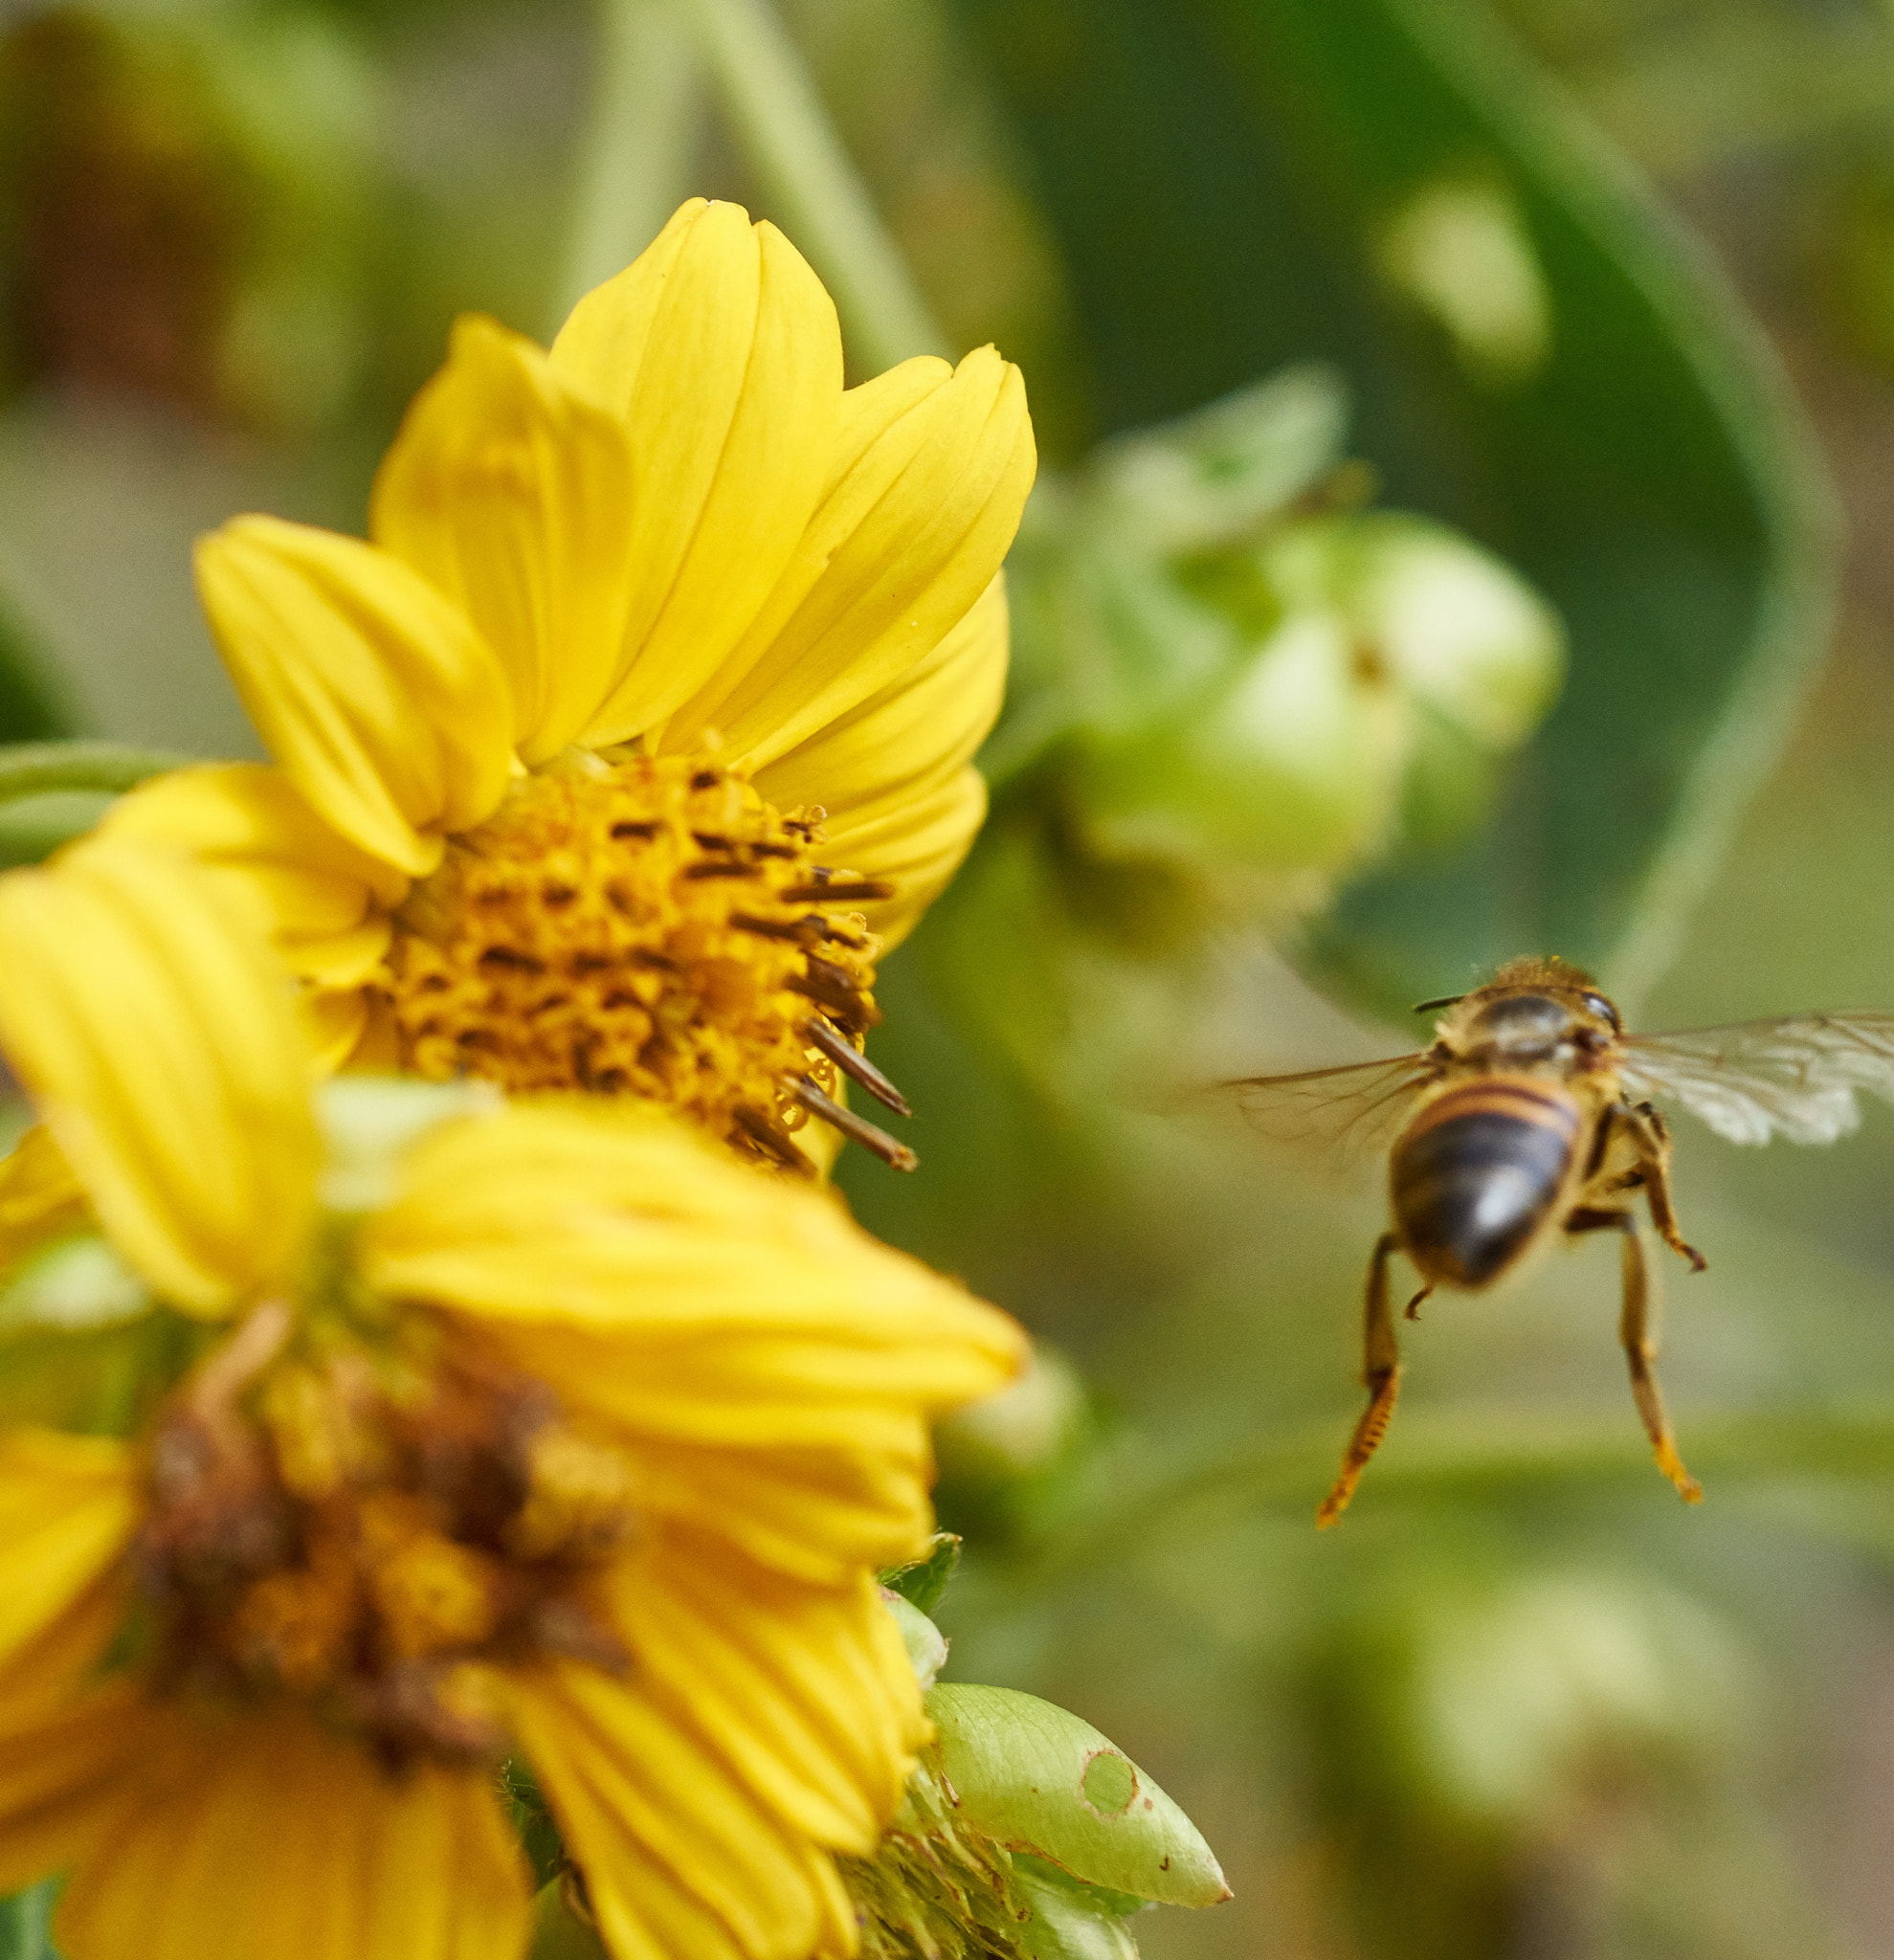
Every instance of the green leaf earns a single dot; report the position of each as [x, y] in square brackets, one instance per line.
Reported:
[54, 791]
[1040, 1780]
[26, 1922]
[1237, 184]
[924, 1581]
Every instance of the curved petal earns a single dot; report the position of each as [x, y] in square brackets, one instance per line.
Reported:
[323, 902]
[250, 1835]
[62, 1775]
[512, 495]
[892, 773]
[815, 1514]
[756, 1309]
[915, 844]
[376, 696]
[680, 1858]
[908, 736]
[720, 351]
[161, 1043]
[935, 467]
[40, 1199]
[68, 1507]
[806, 1689]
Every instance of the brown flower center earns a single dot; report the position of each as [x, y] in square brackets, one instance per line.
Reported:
[371, 1537]
[647, 927]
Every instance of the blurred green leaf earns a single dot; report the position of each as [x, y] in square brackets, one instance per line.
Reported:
[26, 1922]
[54, 791]
[1228, 182]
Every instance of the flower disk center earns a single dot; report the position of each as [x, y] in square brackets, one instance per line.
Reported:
[646, 927]
[372, 1543]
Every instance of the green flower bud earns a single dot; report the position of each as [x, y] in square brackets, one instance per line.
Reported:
[979, 1864]
[1037, 1779]
[1028, 1427]
[1216, 475]
[1488, 1707]
[1389, 661]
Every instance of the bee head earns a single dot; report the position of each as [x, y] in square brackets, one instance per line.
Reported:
[1535, 1010]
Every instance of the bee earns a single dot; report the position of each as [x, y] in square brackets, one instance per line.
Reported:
[1529, 1119]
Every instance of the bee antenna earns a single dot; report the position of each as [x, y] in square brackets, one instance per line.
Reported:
[1427, 1007]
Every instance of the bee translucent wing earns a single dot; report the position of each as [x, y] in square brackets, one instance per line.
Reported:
[1343, 1111]
[1761, 1078]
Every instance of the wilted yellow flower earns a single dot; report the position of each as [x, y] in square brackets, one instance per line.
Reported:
[645, 720]
[548, 1429]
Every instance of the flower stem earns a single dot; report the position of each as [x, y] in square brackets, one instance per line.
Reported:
[799, 159]
[635, 159]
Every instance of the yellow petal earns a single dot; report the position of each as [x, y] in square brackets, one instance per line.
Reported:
[817, 1514]
[255, 1835]
[893, 774]
[512, 494]
[915, 843]
[323, 902]
[161, 1044]
[63, 1776]
[720, 351]
[680, 1857]
[807, 1690]
[67, 1507]
[905, 738]
[935, 467]
[40, 1199]
[752, 1303]
[376, 696]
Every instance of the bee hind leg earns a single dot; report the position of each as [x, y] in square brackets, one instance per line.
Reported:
[1638, 1338]
[1381, 1374]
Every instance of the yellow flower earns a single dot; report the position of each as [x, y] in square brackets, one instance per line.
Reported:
[544, 1428]
[645, 720]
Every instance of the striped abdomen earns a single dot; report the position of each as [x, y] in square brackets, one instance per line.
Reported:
[1476, 1172]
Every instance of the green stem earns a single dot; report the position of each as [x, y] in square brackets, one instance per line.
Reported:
[635, 162]
[803, 169]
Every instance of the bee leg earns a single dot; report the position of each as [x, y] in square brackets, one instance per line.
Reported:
[1412, 1311]
[1640, 1350]
[1381, 1372]
[1652, 1135]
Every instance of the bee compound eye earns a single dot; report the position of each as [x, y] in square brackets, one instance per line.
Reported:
[1597, 1004]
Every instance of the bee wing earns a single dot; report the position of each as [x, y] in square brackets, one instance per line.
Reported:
[1343, 1111]
[1757, 1080]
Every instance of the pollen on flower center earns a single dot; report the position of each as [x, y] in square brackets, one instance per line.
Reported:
[650, 927]
[367, 1537]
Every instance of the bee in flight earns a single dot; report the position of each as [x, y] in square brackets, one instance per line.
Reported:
[1529, 1118]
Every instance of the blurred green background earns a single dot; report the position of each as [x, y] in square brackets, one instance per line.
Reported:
[1601, 289]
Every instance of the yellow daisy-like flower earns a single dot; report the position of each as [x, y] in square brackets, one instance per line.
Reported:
[549, 1428]
[645, 720]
